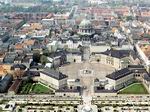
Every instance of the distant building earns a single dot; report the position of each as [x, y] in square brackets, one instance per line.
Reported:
[30, 16]
[116, 58]
[14, 87]
[143, 49]
[124, 77]
[52, 47]
[4, 83]
[146, 80]
[97, 2]
[53, 78]
[74, 56]
[6, 1]
[119, 79]
[57, 58]
[86, 28]
[25, 3]
[9, 107]
[4, 69]
[71, 43]
[10, 57]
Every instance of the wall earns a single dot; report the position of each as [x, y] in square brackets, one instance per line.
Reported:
[107, 60]
[49, 81]
[63, 83]
[52, 82]
[70, 94]
[100, 48]
[72, 57]
[69, 44]
[105, 94]
[120, 83]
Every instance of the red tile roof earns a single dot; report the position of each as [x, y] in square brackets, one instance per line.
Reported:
[14, 87]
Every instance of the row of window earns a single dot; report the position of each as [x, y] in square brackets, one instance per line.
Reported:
[109, 60]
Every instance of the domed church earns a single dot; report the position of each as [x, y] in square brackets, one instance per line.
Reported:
[86, 28]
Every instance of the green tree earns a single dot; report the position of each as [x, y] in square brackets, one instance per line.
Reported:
[36, 57]
[46, 52]
[128, 18]
[43, 59]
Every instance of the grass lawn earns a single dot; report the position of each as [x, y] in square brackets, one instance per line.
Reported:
[136, 88]
[39, 88]
[33, 87]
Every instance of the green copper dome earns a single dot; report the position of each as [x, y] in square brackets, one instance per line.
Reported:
[85, 24]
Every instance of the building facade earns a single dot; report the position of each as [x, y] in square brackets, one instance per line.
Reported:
[53, 78]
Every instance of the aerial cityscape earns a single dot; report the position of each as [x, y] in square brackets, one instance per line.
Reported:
[74, 55]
